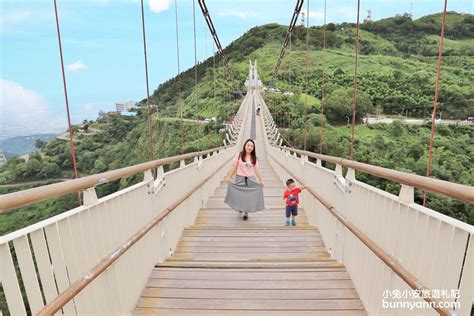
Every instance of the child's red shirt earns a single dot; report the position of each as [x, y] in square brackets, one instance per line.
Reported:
[291, 196]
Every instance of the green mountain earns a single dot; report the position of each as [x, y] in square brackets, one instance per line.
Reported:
[397, 65]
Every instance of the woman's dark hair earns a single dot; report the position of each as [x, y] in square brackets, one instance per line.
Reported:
[243, 153]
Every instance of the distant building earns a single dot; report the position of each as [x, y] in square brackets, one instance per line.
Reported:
[368, 19]
[3, 159]
[125, 106]
[103, 114]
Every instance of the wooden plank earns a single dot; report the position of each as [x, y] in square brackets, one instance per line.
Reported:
[231, 214]
[249, 264]
[255, 243]
[245, 275]
[288, 249]
[218, 256]
[254, 270]
[226, 207]
[268, 184]
[248, 294]
[253, 238]
[244, 228]
[252, 220]
[251, 284]
[212, 304]
[270, 191]
[187, 312]
[287, 233]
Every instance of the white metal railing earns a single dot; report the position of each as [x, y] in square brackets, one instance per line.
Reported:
[60, 250]
[436, 249]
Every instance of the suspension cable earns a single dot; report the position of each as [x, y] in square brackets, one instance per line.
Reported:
[71, 142]
[305, 115]
[205, 55]
[150, 126]
[289, 61]
[181, 131]
[212, 29]
[321, 142]
[214, 67]
[293, 21]
[435, 105]
[354, 99]
[196, 87]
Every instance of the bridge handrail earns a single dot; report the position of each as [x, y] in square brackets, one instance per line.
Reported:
[393, 264]
[18, 199]
[67, 295]
[450, 189]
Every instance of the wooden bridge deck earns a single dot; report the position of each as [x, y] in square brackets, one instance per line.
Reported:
[224, 265]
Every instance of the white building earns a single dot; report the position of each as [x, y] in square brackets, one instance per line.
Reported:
[125, 106]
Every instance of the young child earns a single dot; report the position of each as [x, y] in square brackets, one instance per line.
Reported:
[291, 199]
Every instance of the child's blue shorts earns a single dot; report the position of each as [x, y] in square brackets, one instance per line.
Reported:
[291, 210]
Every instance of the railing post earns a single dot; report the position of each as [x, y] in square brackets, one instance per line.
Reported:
[338, 171]
[147, 175]
[90, 197]
[350, 174]
[160, 173]
[407, 194]
[200, 162]
[303, 159]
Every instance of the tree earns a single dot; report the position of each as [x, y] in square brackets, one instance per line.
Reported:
[338, 106]
[397, 129]
[50, 169]
[33, 168]
[40, 144]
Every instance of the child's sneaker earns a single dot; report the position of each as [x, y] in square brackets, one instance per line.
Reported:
[293, 222]
[287, 223]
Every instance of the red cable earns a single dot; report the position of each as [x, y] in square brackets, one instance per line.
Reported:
[354, 100]
[435, 106]
[321, 131]
[73, 151]
[150, 125]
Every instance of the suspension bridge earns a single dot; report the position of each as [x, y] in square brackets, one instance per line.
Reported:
[170, 245]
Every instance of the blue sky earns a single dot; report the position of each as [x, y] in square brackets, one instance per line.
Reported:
[103, 48]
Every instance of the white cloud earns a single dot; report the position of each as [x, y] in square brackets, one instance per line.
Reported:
[239, 14]
[13, 20]
[14, 16]
[158, 6]
[76, 66]
[25, 112]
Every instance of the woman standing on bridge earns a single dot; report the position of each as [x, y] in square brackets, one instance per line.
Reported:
[245, 194]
